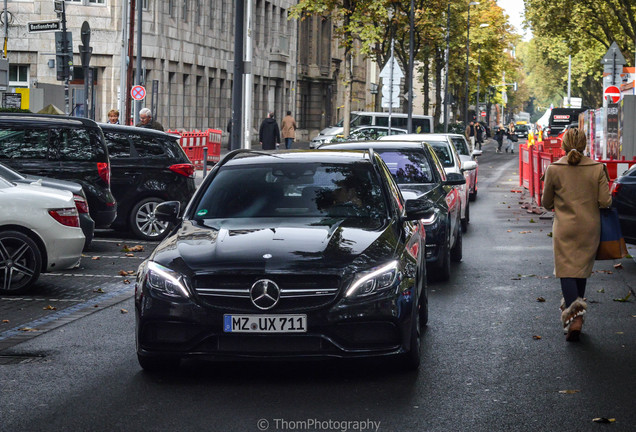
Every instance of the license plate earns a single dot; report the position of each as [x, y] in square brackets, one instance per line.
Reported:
[265, 323]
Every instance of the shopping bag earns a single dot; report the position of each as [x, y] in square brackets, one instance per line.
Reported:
[612, 244]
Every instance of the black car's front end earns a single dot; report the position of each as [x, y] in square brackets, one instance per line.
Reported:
[275, 307]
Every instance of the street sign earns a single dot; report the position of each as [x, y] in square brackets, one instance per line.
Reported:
[43, 26]
[613, 94]
[138, 92]
[385, 74]
[483, 114]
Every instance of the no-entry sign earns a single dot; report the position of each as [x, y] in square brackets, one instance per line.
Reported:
[138, 92]
[613, 93]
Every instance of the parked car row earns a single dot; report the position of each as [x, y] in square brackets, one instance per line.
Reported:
[124, 171]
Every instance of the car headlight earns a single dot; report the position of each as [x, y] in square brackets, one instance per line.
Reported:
[165, 281]
[431, 220]
[373, 282]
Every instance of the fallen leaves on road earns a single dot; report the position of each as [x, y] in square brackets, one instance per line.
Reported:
[98, 290]
[137, 248]
[95, 258]
[525, 232]
[96, 306]
[536, 337]
[28, 329]
[5, 321]
[624, 299]
[540, 299]
[126, 273]
[124, 311]
[49, 307]
[605, 271]
[603, 420]
[618, 266]
[130, 254]
[550, 234]
[126, 281]
[602, 290]
[509, 230]
[569, 391]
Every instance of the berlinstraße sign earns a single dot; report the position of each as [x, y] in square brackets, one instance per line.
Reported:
[43, 26]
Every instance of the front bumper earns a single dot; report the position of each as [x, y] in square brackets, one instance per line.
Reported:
[342, 329]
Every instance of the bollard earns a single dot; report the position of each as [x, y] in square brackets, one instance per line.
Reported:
[205, 161]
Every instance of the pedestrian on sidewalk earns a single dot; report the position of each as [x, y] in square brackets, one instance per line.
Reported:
[479, 133]
[146, 121]
[470, 135]
[511, 137]
[499, 137]
[288, 128]
[269, 133]
[575, 187]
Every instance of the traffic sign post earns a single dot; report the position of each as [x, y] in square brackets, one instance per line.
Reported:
[138, 92]
[613, 94]
[43, 26]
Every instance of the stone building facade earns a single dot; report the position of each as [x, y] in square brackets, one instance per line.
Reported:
[187, 48]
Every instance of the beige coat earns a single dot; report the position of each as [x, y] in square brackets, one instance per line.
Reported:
[575, 192]
[288, 127]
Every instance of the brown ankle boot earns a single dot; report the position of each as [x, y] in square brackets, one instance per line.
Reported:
[572, 318]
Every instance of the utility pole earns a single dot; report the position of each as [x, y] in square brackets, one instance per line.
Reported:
[237, 81]
[446, 69]
[63, 51]
[129, 71]
[123, 66]
[138, 67]
[409, 123]
[249, 79]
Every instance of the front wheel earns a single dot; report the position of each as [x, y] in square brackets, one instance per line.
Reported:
[456, 252]
[466, 218]
[143, 222]
[412, 359]
[20, 262]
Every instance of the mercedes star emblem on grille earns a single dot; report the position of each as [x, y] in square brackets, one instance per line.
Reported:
[264, 294]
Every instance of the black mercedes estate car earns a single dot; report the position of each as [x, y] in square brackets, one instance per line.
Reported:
[148, 167]
[64, 148]
[284, 255]
[420, 175]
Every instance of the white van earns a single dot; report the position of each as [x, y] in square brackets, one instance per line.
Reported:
[421, 124]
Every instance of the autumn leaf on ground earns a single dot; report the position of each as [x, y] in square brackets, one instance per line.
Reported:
[532, 220]
[126, 281]
[509, 230]
[5, 321]
[549, 234]
[618, 266]
[98, 290]
[528, 275]
[123, 273]
[124, 311]
[130, 254]
[603, 420]
[602, 290]
[138, 248]
[624, 299]
[28, 329]
[125, 248]
[525, 232]
[540, 299]
[49, 307]
[95, 258]
[569, 391]
[96, 306]
[536, 337]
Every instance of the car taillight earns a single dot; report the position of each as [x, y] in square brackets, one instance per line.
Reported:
[80, 203]
[615, 188]
[66, 216]
[103, 169]
[186, 170]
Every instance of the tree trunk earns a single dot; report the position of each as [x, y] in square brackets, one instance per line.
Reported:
[427, 83]
[439, 85]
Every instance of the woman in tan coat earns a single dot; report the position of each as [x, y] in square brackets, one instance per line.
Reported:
[288, 128]
[576, 187]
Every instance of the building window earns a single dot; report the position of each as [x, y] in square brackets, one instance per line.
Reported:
[185, 9]
[144, 4]
[212, 10]
[87, 2]
[171, 8]
[197, 12]
[18, 75]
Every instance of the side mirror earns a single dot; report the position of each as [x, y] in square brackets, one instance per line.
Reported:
[455, 179]
[168, 211]
[469, 165]
[477, 153]
[419, 209]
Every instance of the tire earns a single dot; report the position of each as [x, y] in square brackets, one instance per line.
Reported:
[20, 262]
[423, 310]
[142, 221]
[158, 364]
[411, 360]
[456, 251]
[473, 196]
[466, 219]
[443, 269]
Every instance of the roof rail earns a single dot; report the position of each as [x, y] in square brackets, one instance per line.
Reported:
[231, 155]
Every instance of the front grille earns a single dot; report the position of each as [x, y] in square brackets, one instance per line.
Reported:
[297, 291]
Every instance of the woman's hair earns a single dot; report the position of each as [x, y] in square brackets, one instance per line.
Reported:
[574, 143]
[113, 111]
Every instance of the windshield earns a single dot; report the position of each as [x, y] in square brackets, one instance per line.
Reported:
[408, 166]
[444, 153]
[461, 146]
[299, 190]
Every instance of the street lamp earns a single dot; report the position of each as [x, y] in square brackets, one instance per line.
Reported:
[477, 109]
[467, 55]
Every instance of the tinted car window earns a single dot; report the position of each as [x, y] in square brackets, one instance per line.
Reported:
[24, 144]
[147, 146]
[74, 144]
[118, 144]
[460, 145]
[421, 125]
[308, 190]
[408, 167]
[443, 152]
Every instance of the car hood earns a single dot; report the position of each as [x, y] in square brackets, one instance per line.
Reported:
[331, 130]
[415, 191]
[275, 245]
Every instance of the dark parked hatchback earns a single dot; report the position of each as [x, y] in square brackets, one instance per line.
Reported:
[65, 148]
[148, 167]
[624, 200]
[287, 254]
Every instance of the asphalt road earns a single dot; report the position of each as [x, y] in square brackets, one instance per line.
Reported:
[494, 358]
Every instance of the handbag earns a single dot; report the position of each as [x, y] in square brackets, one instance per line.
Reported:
[612, 244]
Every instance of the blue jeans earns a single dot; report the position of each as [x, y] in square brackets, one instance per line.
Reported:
[288, 142]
